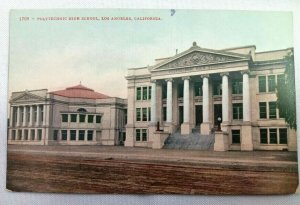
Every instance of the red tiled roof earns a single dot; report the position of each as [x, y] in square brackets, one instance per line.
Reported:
[80, 91]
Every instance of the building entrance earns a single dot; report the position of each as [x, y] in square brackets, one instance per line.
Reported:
[217, 113]
[199, 114]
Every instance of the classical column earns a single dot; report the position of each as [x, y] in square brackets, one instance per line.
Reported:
[186, 100]
[153, 102]
[246, 98]
[38, 113]
[225, 97]
[31, 116]
[24, 115]
[169, 100]
[18, 116]
[205, 126]
[11, 118]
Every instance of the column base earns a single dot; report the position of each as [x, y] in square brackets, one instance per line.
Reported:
[186, 128]
[246, 138]
[205, 128]
[221, 141]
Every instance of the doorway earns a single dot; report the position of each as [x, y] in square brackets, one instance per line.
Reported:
[199, 114]
[217, 113]
[180, 115]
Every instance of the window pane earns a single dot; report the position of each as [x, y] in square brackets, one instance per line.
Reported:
[271, 83]
[138, 114]
[237, 111]
[138, 94]
[144, 93]
[282, 136]
[144, 135]
[272, 110]
[73, 117]
[236, 139]
[72, 134]
[98, 118]
[90, 135]
[237, 86]
[262, 83]
[138, 135]
[81, 118]
[64, 117]
[263, 136]
[90, 118]
[273, 136]
[149, 113]
[198, 88]
[81, 134]
[217, 88]
[262, 110]
[144, 114]
[64, 135]
[149, 93]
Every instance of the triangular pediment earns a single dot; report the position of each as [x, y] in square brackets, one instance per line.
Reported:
[27, 97]
[197, 56]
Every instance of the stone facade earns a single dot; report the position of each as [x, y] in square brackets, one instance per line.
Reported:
[84, 117]
[234, 89]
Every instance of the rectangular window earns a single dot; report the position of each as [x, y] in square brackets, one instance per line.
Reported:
[73, 135]
[262, 110]
[198, 88]
[98, 118]
[90, 135]
[145, 93]
[81, 118]
[25, 134]
[236, 136]
[144, 111]
[55, 134]
[237, 86]
[64, 134]
[138, 93]
[272, 110]
[137, 135]
[32, 134]
[273, 136]
[217, 87]
[282, 136]
[237, 111]
[39, 134]
[262, 84]
[271, 83]
[138, 114]
[264, 136]
[19, 134]
[64, 118]
[13, 137]
[144, 134]
[149, 113]
[73, 117]
[149, 92]
[90, 118]
[81, 135]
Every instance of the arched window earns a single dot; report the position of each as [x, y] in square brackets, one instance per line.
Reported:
[81, 110]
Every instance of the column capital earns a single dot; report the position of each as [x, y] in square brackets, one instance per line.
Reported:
[169, 80]
[186, 78]
[245, 72]
[205, 76]
[224, 74]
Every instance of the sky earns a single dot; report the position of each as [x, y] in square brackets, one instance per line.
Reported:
[60, 54]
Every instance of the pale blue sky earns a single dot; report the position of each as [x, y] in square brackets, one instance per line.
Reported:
[57, 54]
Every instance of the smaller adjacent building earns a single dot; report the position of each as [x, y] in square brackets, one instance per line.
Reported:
[75, 116]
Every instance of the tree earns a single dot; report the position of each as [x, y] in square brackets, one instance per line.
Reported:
[286, 92]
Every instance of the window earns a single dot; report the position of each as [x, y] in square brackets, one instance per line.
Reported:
[198, 88]
[39, 134]
[73, 135]
[138, 114]
[217, 87]
[138, 93]
[262, 84]
[273, 136]
[149, 114]
[144, 134]
[282, 136]
[149, 92]
[272, 110]
[271, 83]
[81, 134]
[98, 118]
[19, 134]
[13, 135]
[32, 134]
[237, 111]
[81, 118]
[144, 111]
[262, 110]
[137, 135]
[64, 134]
[90, 118]
[64, 118]
[90, 135]
[237, 86]
[55, 134]
[179, 90]
[236, 137]
[264, 136]
[25, 134]
[73, 117]
[145, 93]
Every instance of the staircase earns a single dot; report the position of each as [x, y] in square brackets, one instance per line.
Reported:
[194, 141]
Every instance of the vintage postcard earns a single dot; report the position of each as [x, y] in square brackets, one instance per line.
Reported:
[151, 102]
